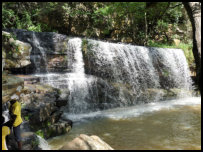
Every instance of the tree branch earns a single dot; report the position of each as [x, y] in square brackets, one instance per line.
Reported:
[175, 6]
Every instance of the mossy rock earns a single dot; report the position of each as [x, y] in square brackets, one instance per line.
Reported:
[16, 53]
[56, 129]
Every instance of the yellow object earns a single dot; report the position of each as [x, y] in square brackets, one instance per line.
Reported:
[16, 110]
[5, 131]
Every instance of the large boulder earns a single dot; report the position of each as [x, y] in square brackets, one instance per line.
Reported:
[85, 142]
[49, 51]
[16, 54]
[41, 109]
[39, 103]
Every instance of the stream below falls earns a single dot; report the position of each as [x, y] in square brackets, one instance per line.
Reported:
[174, 124]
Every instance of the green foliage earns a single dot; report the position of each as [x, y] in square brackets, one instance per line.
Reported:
[19, 15]
[128, 18]
[162, 26]
[48, 123]
[40, 133]
[8, 16]
[26, 118]
[35, 143]
[143, 22]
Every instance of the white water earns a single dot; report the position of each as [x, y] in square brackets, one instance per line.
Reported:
[138, 67]
[135, 111]
[5, 112]
[43, 144]
[37, 58]
[76, 81]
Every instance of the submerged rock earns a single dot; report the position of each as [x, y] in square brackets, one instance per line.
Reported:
[85, 142]
[57, 129]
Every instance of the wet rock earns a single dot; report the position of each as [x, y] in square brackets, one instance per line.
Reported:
[30, 141]
[12, 87]
[42, 113]
[85, 142]
[61, 102]
[41, 109]
[39, 93]
[29, 79]
[57, 129]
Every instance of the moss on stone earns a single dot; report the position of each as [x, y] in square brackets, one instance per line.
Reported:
[84, 46]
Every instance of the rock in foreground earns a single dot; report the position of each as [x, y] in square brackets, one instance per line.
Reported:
[84, 142]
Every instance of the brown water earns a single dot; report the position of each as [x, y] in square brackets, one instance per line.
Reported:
[177, 127]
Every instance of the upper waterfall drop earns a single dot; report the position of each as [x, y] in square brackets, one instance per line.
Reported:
[77, 81]
[140, 67]
[75, 45]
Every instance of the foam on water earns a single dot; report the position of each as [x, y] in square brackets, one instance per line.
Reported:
[43, 144]
[135, 111]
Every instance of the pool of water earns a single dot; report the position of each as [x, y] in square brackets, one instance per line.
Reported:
[174, 124]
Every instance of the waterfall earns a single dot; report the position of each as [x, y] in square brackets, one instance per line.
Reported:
[141, 67]
[119, 75]
[39, 59]
[102, 75]
[77, 81]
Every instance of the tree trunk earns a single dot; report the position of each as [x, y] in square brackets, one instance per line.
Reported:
[194, 12]
[146, 26]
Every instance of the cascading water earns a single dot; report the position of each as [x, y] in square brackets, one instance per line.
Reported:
[101, 75]
[136, 70]
[39, 59]
[77, 81]
[141, 67]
